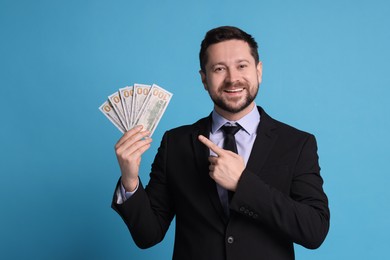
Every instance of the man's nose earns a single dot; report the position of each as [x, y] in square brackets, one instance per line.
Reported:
[233, 75]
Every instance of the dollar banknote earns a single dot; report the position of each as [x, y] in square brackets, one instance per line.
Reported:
[110, 113]
[126, 95]
[139, 104]
[141, 91]
[116, 103]
[153, 108]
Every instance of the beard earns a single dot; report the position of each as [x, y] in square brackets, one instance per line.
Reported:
[232, 105]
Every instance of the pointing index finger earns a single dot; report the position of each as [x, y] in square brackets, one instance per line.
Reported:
[213, 147]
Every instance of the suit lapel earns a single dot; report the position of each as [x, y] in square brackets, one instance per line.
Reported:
[202, 153]
[261, 148]
[263, 144]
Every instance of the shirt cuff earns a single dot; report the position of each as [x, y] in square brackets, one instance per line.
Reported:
[122, 195]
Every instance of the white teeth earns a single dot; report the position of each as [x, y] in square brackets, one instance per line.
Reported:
[233, 90]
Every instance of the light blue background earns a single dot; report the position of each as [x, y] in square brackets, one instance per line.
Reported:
[326, 71]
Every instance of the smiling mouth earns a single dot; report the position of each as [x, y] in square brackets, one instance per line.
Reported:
[234, 90]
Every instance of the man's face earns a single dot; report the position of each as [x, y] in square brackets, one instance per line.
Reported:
[232, 78]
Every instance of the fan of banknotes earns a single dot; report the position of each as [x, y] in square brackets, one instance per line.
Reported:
[139, 104]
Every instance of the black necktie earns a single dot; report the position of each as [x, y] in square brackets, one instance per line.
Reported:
[229, 143]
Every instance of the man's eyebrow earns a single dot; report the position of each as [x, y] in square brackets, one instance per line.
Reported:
[242, 60]
[217, 64]
[221, 63]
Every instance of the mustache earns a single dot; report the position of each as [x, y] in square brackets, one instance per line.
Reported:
[237, 84]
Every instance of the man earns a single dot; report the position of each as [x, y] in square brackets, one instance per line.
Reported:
[250, 205]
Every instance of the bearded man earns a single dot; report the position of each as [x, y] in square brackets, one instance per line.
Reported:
[240, 184]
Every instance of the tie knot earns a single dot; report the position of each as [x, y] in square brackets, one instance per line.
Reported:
[230, 129]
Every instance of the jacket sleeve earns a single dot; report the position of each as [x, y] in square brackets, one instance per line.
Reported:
[302, 214]
[148, 212]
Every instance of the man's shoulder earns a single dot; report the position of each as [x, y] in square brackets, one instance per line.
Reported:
[281, 127]
[289, 128]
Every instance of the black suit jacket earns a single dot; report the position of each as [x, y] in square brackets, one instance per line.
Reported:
[279, 198]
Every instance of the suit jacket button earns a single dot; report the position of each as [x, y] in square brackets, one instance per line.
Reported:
[230, 240]
[242, 209]
[255, 216]
[250, 213]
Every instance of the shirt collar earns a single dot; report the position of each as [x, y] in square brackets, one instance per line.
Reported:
[249, 122]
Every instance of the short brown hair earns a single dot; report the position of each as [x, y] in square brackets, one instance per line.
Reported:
[225, 33]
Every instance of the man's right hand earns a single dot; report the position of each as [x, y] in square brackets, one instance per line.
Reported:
[129, 150]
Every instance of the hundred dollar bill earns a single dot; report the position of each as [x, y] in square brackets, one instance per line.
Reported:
[154, 107]
[116, 103]
[141, 91]
[126, 95]
[107, 109]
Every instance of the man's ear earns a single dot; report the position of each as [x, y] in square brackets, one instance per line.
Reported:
[204, 79]
[259, 69]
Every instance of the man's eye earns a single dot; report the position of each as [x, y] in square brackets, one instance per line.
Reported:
[243, 66]
[218, 69]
